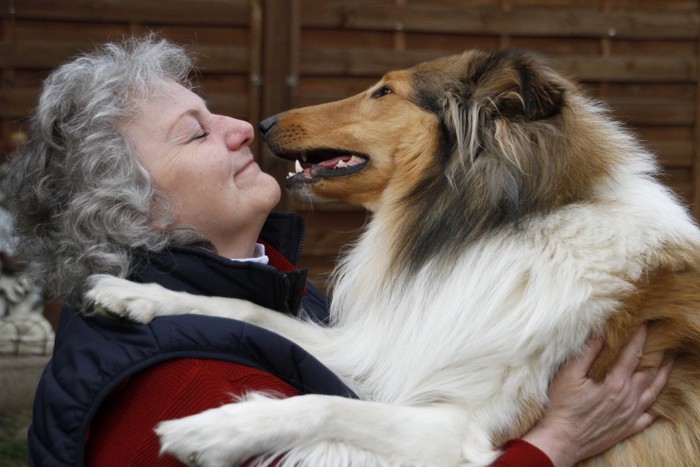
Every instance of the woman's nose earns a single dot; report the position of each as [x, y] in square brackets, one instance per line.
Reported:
[239, 133]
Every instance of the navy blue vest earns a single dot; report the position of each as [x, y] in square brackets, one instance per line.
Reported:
[93, 355]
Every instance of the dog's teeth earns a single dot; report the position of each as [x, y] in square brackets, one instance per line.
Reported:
[297, 166]
[303, 156]
[290, 174]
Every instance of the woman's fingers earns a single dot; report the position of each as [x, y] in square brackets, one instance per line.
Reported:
[649, 395]
[657, 378]
[580, 364]
[631, 355]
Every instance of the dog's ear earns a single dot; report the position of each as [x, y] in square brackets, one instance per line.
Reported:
[506, 86]
[522, 86]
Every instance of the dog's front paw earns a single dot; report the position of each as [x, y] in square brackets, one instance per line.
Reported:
[198, 440]
[120, 297]
[228, 435]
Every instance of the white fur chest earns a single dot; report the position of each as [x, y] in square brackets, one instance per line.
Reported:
[514, 305]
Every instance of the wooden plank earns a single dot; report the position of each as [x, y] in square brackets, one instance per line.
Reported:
[567, 46]
[277, 55]
[676, 154]
[528, 22]
[679, 180]
[688, 6]
[277, 66]
[685, 192]
[554, 4]
[368, 62]
[226, 103]
[220, 35]
[673, 146]
[76, 32]
[653, 47]
[42, 55]
[5, 10]
[327, 231]
[651, 133]
[631, 68]
[255, 73]
[359, 62]
[202, 12]
[17, 103]
[676, 177]
[318, 90]
[295, 204]
[659, 112]
[224, 83]
[26, 78]
[451, 43]
[334, 87]
[314, 38]
[38, 55]
[650, 90]
[222, 58]
[456, 3]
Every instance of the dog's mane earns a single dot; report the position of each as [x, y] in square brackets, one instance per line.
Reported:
[501, 122]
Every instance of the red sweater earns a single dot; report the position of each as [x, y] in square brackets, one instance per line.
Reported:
[122, 431]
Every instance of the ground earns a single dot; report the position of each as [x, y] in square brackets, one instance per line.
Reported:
[13, 439]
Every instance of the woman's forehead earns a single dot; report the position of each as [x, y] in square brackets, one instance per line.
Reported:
[168, 104]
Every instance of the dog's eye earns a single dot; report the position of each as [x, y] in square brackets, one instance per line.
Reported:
[383, 91]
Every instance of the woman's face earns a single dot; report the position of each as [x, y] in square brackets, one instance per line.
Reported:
[202, 162]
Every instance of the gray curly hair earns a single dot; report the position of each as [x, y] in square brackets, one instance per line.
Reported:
[81, 201]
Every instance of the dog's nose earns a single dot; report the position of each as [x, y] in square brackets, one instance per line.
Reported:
[268, 123]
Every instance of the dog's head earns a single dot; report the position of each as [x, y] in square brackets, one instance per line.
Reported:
[489, 137]
[479, 112]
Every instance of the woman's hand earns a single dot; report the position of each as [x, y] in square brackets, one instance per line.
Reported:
[585, 418]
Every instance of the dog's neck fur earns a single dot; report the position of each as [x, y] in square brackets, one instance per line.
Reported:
[497, 191]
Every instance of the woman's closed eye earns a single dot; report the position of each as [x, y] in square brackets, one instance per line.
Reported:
[200, 135]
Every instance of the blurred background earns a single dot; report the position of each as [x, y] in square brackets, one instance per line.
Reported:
[259, 57]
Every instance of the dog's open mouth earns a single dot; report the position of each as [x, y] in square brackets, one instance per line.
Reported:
[316, 164]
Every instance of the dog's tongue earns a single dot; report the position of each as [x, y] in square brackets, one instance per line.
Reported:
[340, 162]
[327, 168]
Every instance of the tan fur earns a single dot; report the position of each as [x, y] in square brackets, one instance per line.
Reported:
[401, 133]
[402, 141]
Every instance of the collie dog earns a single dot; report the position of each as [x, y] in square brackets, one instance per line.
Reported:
[511, 218]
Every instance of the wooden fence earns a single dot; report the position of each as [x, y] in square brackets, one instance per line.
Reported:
[258, 57]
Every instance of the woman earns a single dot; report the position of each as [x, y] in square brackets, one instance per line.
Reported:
[128, 173]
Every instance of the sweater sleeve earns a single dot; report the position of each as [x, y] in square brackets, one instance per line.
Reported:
[519, 453]
[122, 431]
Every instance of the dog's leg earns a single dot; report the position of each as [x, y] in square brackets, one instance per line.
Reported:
[395, 435]
[144, 302]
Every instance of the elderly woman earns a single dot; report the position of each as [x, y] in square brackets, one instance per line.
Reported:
[128, 173]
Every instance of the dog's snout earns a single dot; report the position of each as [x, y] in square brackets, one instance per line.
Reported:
[267, 124]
